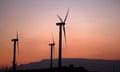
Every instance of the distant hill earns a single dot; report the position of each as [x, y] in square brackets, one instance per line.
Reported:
[89, 64]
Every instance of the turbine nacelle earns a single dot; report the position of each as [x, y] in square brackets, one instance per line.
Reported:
[60, 23]
[51, 44]
[15, 40]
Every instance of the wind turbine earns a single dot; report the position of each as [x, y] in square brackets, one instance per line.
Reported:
[15, 41]
[52, 44]
[61, 25]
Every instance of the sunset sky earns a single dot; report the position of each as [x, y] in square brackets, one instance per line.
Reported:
[93, 29]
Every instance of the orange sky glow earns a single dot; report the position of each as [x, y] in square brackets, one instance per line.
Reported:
[93, 29]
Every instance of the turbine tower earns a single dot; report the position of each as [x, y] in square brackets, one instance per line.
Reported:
[15, 41]
[61, 25]
[52, 44]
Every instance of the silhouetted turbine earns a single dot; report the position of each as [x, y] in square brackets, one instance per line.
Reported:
[52, 44]
[14, 51]
[61, 24]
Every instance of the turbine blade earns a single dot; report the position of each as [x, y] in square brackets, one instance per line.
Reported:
[53, 38]
[18, 47]
[16, 34]
[60, 18]
[64, 34]
[66, 15]
[53, 46]
[17, 42]
[54, 50]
